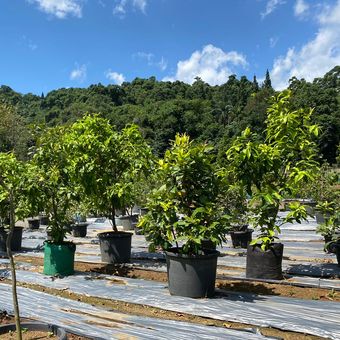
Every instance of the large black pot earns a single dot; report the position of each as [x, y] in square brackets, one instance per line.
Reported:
[36, 326]
[33, 223]
[241, 239]
[16, 239]
[79, 229]
[115, 247]
[264, 264]
[191, 276]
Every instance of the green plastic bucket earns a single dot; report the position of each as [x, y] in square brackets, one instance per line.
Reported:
[59, 258]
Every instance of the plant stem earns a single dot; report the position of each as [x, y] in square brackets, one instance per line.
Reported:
[173, 233]
[113, 214]
[12, 264]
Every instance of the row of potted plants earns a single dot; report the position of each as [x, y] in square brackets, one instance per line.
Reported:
[194, 201]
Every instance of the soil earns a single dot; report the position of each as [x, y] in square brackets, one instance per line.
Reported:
[30, 335]
[288, 290]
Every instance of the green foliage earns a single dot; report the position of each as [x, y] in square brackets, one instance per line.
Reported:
[279, 166]
[323, 187]
[17, 188]
[184, 209]
[161, 109]
[107, 164]
[56, 189]
[13, 132]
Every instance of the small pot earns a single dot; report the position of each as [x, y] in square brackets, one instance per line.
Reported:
[44, 220]
[115, 247]
[79, 229]
[36, 326]
[320, 217]
[33, 223]
[208, 244]
[124, 221]
[241, 239]
[16, 239]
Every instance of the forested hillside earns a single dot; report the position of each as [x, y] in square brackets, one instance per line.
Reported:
[210, 113]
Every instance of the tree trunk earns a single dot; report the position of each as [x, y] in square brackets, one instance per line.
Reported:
[12, 264]
[113, 214]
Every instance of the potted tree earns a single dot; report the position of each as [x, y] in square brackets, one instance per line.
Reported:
[235, 202]
[183, 212]
[270, 170]
[17, 196]
[106, 165]
[56, 194]
[12, 172]
[330, 227]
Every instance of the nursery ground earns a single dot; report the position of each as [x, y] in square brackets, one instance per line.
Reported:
[305, 305]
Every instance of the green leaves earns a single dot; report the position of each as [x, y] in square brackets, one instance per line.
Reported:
[184, 209]
[279, 166]
[107, 164]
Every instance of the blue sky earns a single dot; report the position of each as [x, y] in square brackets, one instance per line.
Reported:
[49, 44]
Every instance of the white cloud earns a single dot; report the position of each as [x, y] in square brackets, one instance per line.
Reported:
[273, 41]
[79, 73]
[162, 64]
[144, 55]
[211, 64]
[271, 7]
[59, 8]
[122, 6]
[301, 8]
[316, 57]
[116, 77]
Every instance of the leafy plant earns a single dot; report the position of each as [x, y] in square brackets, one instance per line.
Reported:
[57, 191]
[277, 167]
[184, 210]
[107, 164]
[17, 192]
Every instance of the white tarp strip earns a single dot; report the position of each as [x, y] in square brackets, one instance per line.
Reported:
[307, 316]
[99, 323]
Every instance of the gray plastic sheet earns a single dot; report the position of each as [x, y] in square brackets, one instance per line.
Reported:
[99, 323]
[307, 316]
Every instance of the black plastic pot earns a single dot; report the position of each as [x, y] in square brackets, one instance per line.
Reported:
[143, 211]
[337, 252]
[241, 239]
[208, 244]
[330, 247]
[36, 326]
[16, 239]
[191, 276]
[125, 222]
[264, 264]
[33, 223]
[79, 229]
[115, 247]
[44, 220]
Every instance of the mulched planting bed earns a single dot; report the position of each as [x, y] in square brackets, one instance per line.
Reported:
[30, 335]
